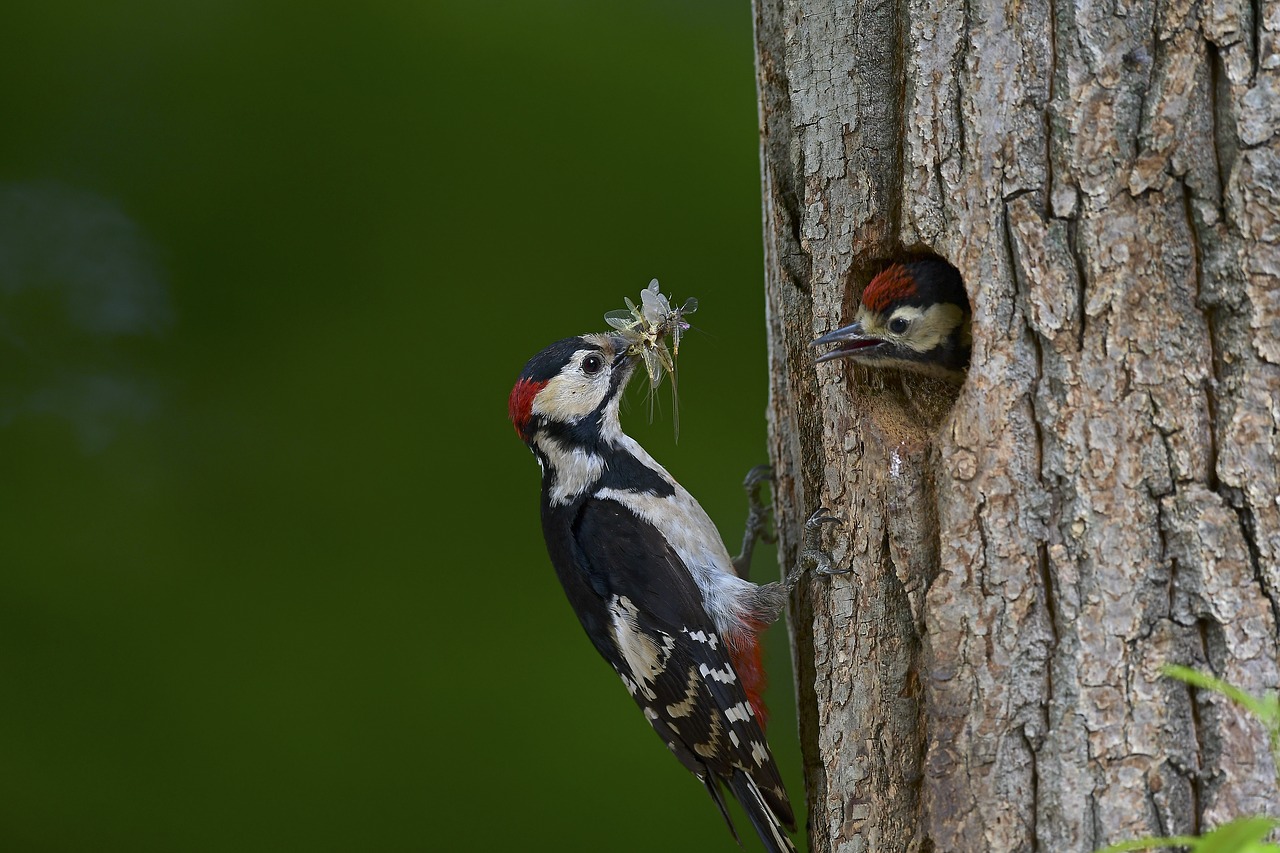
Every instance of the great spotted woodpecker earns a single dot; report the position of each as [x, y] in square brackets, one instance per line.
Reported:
[650, 578]
[914, 316]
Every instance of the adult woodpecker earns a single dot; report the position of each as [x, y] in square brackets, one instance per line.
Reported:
[914, 316]
[650, 578]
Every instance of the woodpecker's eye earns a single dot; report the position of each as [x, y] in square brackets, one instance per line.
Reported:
[592, 364]
[898, 325]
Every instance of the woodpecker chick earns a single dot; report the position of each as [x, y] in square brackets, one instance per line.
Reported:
[650, 578]
[914, 316]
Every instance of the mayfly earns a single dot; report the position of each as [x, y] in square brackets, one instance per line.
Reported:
[646, 326]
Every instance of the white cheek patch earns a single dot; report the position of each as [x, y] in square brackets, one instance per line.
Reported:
[927, 327]
[572, 395]
[935, 325]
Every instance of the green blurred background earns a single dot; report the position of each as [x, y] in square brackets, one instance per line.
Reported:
[271, 573]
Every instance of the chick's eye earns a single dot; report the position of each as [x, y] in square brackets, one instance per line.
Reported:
[592, 364]
[898, 325]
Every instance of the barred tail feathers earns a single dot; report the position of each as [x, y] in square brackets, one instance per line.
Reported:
[766, 823]
[713, 788]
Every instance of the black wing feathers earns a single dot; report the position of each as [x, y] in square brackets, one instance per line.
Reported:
[633, 559]
[687, 686]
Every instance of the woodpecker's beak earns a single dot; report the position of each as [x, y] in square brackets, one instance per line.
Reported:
[621, 349]
[852, 343]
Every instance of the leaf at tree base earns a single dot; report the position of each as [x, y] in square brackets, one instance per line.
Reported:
[1243, 835]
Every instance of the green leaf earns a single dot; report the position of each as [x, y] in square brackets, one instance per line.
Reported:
[1195, 678]
[1266, 707]
[1243, 835]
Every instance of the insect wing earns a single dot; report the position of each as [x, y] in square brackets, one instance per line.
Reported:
[654, 306]
[663, 357]
[653, 366]
[625, 320]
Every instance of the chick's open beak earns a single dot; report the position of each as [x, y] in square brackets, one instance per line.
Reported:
[851, 340]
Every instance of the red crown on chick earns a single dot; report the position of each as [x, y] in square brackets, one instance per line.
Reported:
[888, 287]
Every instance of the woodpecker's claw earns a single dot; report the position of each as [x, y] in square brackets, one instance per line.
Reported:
[757, 518]
[812, 557]
[812, 554]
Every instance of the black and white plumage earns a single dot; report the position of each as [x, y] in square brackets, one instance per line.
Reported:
[650, 578]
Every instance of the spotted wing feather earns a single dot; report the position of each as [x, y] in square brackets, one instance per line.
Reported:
[672, 660]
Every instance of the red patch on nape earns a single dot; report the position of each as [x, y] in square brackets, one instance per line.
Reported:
[888, 287]
[520, 405]
[744, 651]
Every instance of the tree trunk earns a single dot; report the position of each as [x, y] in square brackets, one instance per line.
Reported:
[1103, 496]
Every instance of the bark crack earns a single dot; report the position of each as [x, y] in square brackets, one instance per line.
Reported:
[961, 142]
[899, 118]
[1082, 278]
[1255, 43]
[1033, 819]
[1249, 530]
[1049, 108]
[1223, 138]
[1197, 730]
[1232, 497]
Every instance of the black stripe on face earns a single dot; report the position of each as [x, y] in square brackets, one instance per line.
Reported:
[547, 364]
[623, 369]
[622, 471]
[586, 430]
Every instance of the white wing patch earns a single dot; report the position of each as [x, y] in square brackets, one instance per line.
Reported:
[708, 637]
[724, 676]
[645, 657]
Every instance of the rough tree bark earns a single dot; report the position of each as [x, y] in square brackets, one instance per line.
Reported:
[1103, 497]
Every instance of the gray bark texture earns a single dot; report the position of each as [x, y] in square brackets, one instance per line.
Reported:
[1102, 495]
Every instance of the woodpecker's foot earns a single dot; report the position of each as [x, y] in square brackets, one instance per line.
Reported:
[757, 518]
[812, 555]
[772, 597]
